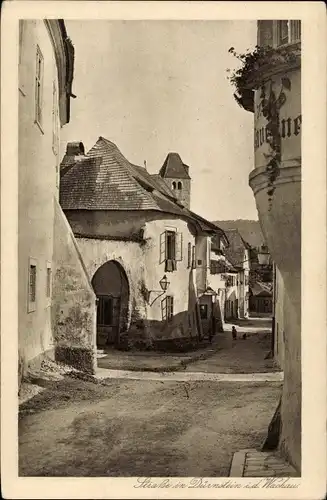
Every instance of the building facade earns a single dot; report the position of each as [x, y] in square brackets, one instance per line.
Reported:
[46, 65]
[146, 254]
[272, 92]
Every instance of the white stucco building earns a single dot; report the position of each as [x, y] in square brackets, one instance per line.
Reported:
[45, 75]
[271, 90]
[133, 225]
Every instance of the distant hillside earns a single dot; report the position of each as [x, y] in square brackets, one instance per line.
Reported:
[250, 230]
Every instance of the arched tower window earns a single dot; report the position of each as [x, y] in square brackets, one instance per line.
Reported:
[174, 185]
[179, 185]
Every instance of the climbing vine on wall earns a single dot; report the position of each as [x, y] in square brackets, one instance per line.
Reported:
[252, 75]
[249, 75]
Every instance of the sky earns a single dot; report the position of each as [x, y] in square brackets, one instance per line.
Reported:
[154, 87]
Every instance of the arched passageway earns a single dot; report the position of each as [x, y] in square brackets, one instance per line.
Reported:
[111, 287]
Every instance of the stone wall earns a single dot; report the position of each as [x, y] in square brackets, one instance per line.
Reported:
[73, 301]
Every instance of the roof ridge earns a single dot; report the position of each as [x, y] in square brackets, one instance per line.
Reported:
[126, 169]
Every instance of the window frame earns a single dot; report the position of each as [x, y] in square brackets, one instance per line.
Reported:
[31, 304]
[293, 32]
[167, 308]
[203, 307]
[20, 38]
[170, 258]
[39, 74]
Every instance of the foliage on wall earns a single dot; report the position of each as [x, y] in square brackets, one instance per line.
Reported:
[253, 74]
[254, 64]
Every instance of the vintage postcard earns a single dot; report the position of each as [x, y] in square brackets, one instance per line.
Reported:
[163, 250]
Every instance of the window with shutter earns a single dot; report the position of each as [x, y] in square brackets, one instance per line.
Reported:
[171, 249]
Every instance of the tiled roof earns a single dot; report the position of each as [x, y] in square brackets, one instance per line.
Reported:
[174, 168]
[250, 230]
[105, 180]
[164, 188]
[235, 251]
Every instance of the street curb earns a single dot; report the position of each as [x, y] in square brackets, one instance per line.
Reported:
[172, 368]
[238, 463]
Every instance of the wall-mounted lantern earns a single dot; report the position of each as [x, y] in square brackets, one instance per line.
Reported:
[164, 283]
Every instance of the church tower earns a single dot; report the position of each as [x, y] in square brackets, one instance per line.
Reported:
[176, 175]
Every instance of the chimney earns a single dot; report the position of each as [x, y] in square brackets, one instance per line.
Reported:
[145, 164]
[74, 152]
[75, 149]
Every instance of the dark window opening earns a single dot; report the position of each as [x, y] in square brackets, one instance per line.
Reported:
[204, 311]
[171, 245]
[32, 283]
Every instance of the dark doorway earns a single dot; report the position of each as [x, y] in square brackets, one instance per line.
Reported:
[111, 288]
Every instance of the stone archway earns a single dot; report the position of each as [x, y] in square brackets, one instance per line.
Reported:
[110, 284]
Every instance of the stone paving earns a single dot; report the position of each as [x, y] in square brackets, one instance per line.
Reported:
[255, 463]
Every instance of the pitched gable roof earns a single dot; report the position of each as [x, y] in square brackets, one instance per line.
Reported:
[250, 230]
[235, 251]
[105, 180]
[174, 168]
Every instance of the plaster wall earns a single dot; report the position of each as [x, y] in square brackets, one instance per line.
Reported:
[73, 301]
[37, 188]
[279, 320]
[279, 209]
[182, 286]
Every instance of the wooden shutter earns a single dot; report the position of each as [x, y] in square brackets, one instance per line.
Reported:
[164, 309]
[179, 247]
[163, 246]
